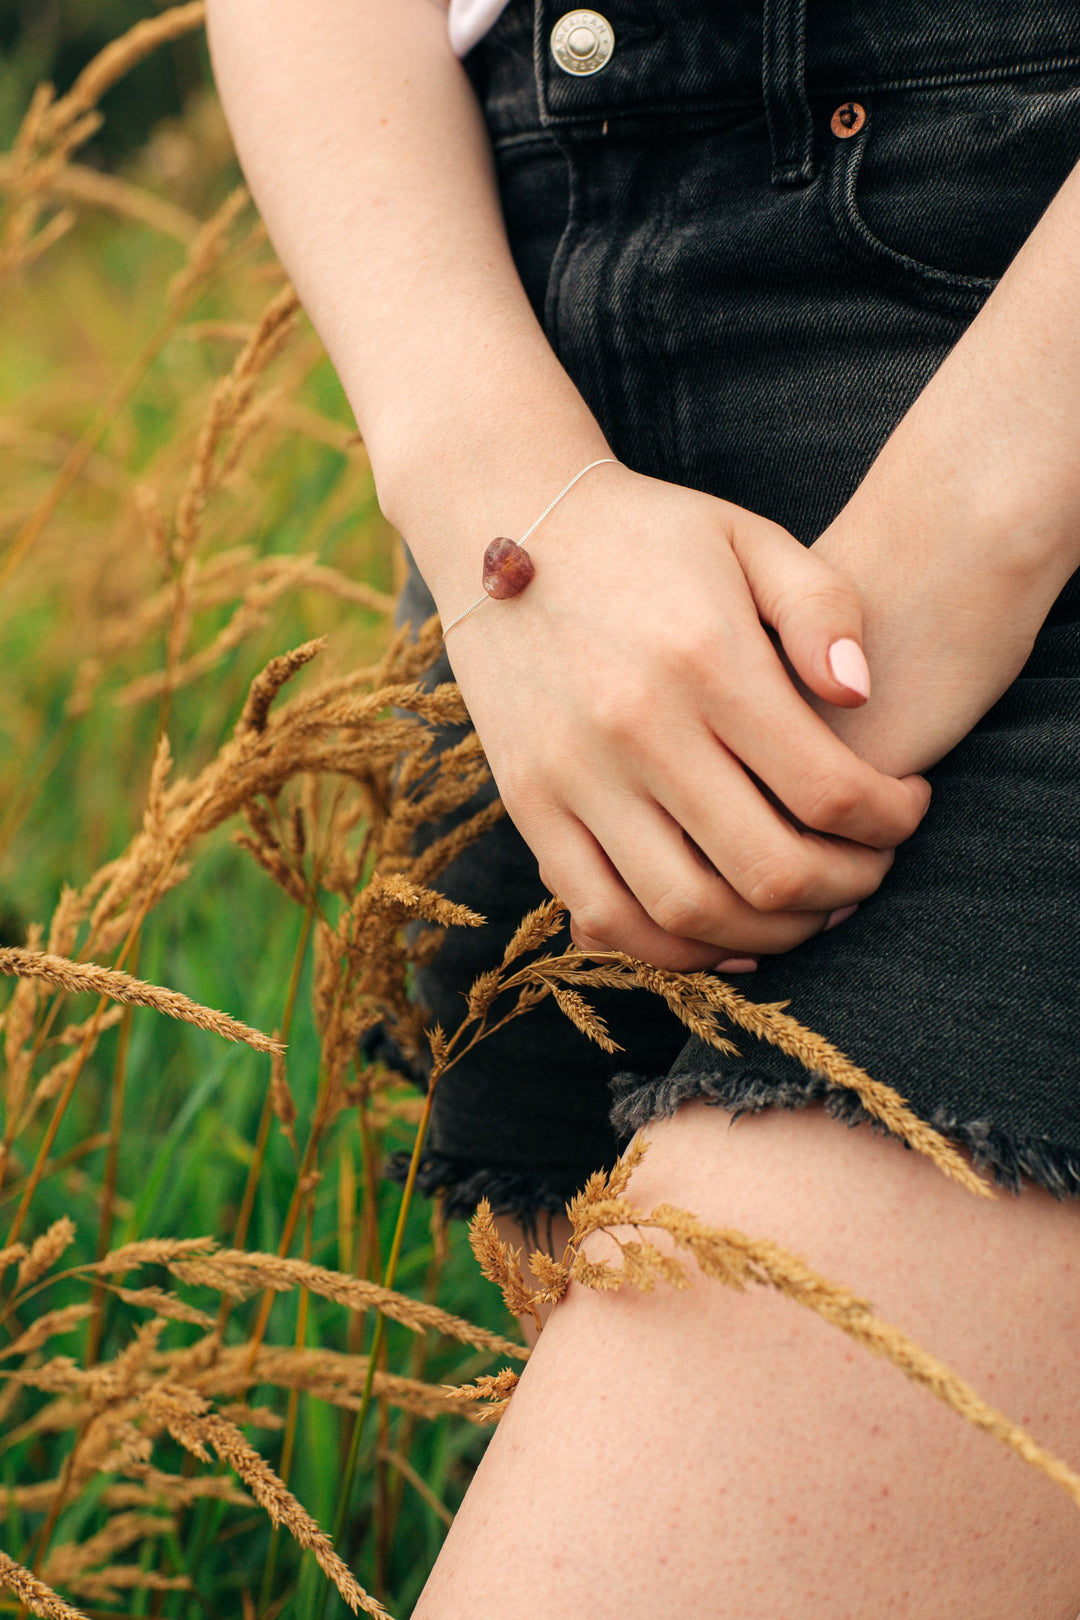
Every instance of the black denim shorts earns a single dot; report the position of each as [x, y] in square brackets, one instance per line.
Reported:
[750, 301]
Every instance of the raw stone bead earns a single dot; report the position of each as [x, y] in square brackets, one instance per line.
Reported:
[508, 568]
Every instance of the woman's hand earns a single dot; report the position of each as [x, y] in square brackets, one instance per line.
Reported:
[678, 793]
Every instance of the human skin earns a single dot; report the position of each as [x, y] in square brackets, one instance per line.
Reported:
[618, 708]
[709, 1454]
[713, 1455]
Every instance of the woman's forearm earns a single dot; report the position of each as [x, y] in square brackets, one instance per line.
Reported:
[993, 442]
[967, 527]
[364, 148]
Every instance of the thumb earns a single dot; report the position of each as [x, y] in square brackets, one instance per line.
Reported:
[813, 608]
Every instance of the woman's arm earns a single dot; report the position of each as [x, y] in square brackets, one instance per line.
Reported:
[967, 526]
[362, 142]
[620, 697]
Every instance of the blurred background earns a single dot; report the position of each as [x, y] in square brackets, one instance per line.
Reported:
[157, 548]
[45, 39]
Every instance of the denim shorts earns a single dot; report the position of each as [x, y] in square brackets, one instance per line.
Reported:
[750, 286]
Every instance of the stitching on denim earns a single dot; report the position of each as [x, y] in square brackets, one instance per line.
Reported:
[530, 137]
[964, 294]
[723, 102]
[783, 82]
[976, 75]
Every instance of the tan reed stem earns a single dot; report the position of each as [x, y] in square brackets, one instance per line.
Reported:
[418, 1370]
[349, 1471]
[247, 1203]
[112, 1163]
[31, 530]
[369, 1259]
[52, 1128]
[291, 1412]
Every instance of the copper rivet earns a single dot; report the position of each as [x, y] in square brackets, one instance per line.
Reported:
[847, 120]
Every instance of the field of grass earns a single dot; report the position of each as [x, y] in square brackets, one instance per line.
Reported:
[226, 1331]
[150, 572]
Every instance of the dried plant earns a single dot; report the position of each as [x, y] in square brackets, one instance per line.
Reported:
[731, 1258]
[322, 779]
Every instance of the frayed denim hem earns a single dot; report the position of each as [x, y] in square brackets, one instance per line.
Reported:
[528, 1195]
[1010, 1160]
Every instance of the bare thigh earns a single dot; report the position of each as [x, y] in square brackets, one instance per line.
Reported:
[714, 1454]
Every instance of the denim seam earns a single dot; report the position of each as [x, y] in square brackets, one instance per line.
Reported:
[715, 105]
[962, 293]
[985, 75]
[783, 82]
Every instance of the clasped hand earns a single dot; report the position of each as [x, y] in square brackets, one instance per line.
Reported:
[649, 742]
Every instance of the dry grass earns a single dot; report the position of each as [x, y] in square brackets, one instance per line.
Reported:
[331, 775]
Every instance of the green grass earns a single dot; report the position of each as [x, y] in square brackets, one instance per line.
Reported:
[72, 789]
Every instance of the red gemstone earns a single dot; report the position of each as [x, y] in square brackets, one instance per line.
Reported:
[508, 568]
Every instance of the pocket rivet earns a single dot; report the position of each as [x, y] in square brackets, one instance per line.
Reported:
[847, 120]
[582, 42]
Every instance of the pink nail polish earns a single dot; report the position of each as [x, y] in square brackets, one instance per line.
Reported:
[841, 914]
[849, 667]
[736, 964]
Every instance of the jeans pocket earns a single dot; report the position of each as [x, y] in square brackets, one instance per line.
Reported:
[939, 187]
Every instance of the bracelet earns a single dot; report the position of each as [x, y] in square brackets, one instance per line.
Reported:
[508, 568]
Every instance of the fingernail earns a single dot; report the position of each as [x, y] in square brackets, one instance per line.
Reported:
[841, 914]
[849, 667]
[736, 964]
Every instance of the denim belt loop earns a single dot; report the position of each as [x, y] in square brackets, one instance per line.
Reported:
[783, 82]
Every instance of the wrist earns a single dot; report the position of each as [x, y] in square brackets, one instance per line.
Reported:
[960, 485]
[450, 482]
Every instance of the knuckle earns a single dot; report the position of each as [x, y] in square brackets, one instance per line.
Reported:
[597, 920]
[690, 649]
[618, 709]
[679, 912]
[830, 589]
[779, 884]
[829, 802]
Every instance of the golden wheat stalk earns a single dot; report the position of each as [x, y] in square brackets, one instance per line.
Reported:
[336, 1377]
[107, 1585]
[732, 1258]
[78, 183]
[45, 1251]
[118, 58]
[61, 971]
[38, 1597]
[73, 1558]
[243, 1272]
[196, 1428]
[696, 999]
[151, 1252]
[50, 1325]
[818, 1055]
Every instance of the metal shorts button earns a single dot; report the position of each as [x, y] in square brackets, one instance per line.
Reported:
[847, 120]
[582, 42]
